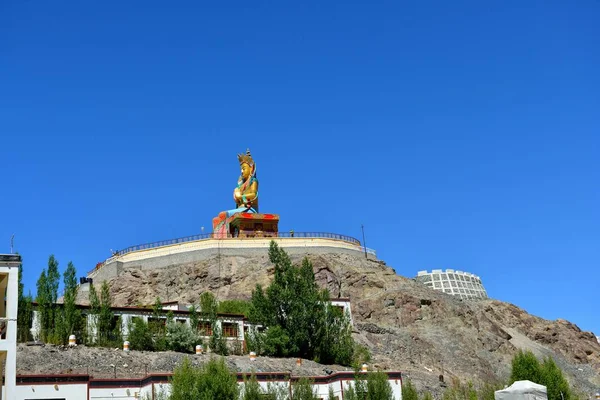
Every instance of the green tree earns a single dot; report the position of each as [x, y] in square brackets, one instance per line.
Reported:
[428, 396]
[303, 390]
[194, 318]
[184, 382]
[71, 317]
[378, 387]
[182, 338]
[105, 316]
[460, 391]
[525, 366]
[409, 392]
[25, 311]
[552, 377]
[331, 395]
[139, 335]
[43, 300]
[53, 277]
[299, 318]
[234, 307]
[252, 390]
[208, 306]
[210, 381]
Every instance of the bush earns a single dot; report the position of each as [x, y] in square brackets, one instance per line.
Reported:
[140, 335]
[182, 338]
[409, 392]
[234, 307]
[210, 381]
[525, 366]
[252, 390]
[378, 387]
[303, 390]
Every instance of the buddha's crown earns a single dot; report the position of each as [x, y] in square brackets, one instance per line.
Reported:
[246, 158]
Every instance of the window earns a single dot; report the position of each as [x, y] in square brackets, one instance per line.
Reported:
[205, 328]
[230, 329]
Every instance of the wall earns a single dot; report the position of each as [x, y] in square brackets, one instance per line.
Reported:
[73, 391]
[161, 257]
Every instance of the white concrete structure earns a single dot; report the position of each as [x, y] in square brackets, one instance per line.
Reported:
[197, 248]
[457, 283]
[80, 387]
[231, 325]
[9, 289]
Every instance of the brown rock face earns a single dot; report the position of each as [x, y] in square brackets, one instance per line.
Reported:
[407, 326]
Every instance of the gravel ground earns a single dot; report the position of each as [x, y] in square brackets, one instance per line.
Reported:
[111, 363]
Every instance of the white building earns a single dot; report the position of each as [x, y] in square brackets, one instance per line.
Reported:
[232, 326]
[457, 283]
[9, 289]
[80, 387]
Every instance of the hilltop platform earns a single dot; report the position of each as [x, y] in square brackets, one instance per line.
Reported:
[203, 247]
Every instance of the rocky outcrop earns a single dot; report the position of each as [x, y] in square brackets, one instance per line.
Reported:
[406, 325]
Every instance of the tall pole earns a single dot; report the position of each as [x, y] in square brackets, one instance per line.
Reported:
[364, 241]
[12, 242]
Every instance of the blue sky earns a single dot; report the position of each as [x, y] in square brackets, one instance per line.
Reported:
[462, 135]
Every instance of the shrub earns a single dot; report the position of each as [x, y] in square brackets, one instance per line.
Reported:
[140, 335]
[210, 381]
[378, 387]
[303, 390]
[409, 392]
[252, 390]
[182, 338]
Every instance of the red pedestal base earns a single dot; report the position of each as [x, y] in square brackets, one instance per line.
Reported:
[245, 225]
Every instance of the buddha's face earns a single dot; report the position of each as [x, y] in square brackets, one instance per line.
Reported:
[246, 170]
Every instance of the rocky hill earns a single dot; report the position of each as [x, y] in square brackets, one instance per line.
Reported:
[407, 326]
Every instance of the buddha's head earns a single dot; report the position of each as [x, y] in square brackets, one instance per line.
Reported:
[247, 165]
[246, 171]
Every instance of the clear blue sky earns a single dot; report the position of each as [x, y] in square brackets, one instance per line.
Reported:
[463, 135]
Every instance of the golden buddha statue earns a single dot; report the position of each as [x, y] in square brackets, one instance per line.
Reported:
[245, 194]
[245, 220]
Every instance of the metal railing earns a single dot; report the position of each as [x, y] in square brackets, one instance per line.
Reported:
[206, 236]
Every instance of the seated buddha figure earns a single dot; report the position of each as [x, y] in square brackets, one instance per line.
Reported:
[245, 193]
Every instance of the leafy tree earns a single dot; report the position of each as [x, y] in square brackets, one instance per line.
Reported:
[525, 366]
[331, 395]
[43, 300]
[182, 338]
[409, 392]
[53, 277]
[105, 315]
[25, 311]
[487, 391]
[184, 382]
[252, 389]
[428, 396]
[217, 342]
[70, 317]
[460, 391]
[299, 318]
[194, 319]
[556, 385]
[211, 381]
[208, 309]
[140, 335]
[208, 306]
[378, 387]
[303, 390]
[234, 307]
